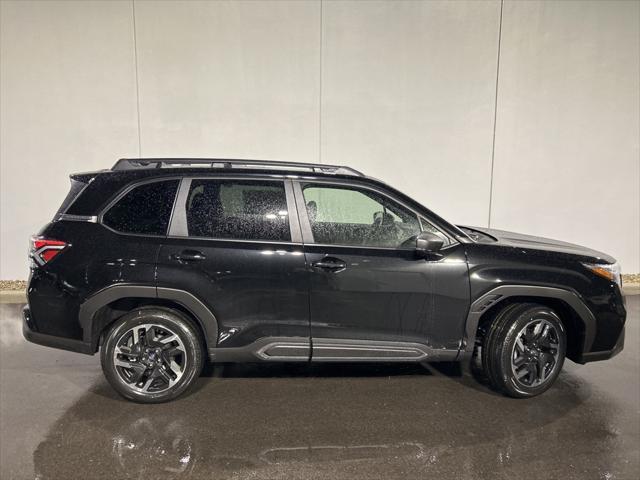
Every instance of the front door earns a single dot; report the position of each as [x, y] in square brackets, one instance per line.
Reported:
[371, 296]
[233, 245]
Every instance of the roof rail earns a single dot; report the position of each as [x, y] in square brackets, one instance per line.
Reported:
[139, 163]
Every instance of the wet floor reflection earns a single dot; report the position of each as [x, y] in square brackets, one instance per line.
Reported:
[299, 421]
[381, 422]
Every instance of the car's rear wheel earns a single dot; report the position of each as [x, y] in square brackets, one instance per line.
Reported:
[523, 349]
[152, 354]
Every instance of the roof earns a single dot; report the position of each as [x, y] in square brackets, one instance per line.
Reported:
[233, 164]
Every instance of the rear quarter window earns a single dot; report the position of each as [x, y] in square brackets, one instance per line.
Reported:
[144, 210]
[74, 191]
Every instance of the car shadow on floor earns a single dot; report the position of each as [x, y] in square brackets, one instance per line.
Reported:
[307, 369]
[459, 372]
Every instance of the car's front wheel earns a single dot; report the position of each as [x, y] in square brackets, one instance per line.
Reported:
[152, 354]
[524, 349]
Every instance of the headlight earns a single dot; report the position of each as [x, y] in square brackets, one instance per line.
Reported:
[610, 271]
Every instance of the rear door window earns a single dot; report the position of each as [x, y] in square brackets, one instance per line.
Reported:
[238, 210]
[144, 210]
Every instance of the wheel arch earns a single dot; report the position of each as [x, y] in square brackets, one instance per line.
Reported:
[103, 308]
[576, 317]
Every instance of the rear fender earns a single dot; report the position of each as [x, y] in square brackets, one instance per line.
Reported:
[92, 325]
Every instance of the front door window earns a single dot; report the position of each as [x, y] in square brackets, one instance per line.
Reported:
[350, 216]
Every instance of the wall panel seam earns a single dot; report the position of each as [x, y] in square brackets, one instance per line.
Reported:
[135, 56]
[320, 92]
[495, 114]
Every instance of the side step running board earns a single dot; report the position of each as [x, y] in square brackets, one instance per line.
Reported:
[296, 349]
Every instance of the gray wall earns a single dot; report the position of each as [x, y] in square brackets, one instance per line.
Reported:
[405, 91]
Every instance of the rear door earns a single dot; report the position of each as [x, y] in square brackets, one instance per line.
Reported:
[235, 244]
[368, 287]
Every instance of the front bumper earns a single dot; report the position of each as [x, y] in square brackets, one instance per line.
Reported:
[605, 354]
[52, 341]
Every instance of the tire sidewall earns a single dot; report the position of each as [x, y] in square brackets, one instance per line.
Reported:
[508, 380]
[178, 324]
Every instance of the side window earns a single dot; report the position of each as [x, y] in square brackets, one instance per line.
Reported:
[236, 209]
[351, 216]
[144, 210]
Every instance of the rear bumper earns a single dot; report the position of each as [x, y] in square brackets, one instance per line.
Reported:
[52, 341]
[605, 354]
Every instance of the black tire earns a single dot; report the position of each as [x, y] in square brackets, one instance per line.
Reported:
[518, 361]
[168, 369]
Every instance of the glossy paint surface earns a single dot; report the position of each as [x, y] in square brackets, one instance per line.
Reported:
[61, 420]
[254, 289]
[95, 259]
[387, 294]
[492, 265]
[271, 289]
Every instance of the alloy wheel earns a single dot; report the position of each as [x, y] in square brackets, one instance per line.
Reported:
[535, 353]
[150, 358]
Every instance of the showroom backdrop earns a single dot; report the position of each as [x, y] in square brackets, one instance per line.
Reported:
[521, 115]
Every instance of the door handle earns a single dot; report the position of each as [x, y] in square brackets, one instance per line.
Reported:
[188, 256]
[331, 264]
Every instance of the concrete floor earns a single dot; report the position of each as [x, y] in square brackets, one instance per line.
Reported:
[60, 419]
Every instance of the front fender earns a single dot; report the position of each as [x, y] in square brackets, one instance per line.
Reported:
[503, 292]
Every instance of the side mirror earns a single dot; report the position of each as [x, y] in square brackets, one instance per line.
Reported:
[427, 242]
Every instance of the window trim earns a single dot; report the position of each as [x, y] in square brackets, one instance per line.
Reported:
[307, 233]
[124, 191]
[178, 224]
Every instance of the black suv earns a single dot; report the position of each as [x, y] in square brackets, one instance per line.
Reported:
[162, 263]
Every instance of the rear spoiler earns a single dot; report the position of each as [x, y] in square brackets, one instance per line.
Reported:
[85, 177]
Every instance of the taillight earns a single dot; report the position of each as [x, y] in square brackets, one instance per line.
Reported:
[43, 250]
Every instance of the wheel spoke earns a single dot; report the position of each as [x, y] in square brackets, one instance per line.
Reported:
[168, 345]
[147, 384]
[542, 363]
[520, 345]
[545, 332]
[519, 361]
[537, 330]
[168, 339]
[550, 360]
[136, 334]
[522, 372]
[174, 350]
[150, 335]
[126, 351]
[124, 363]
[175, 368]
[166, 376]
